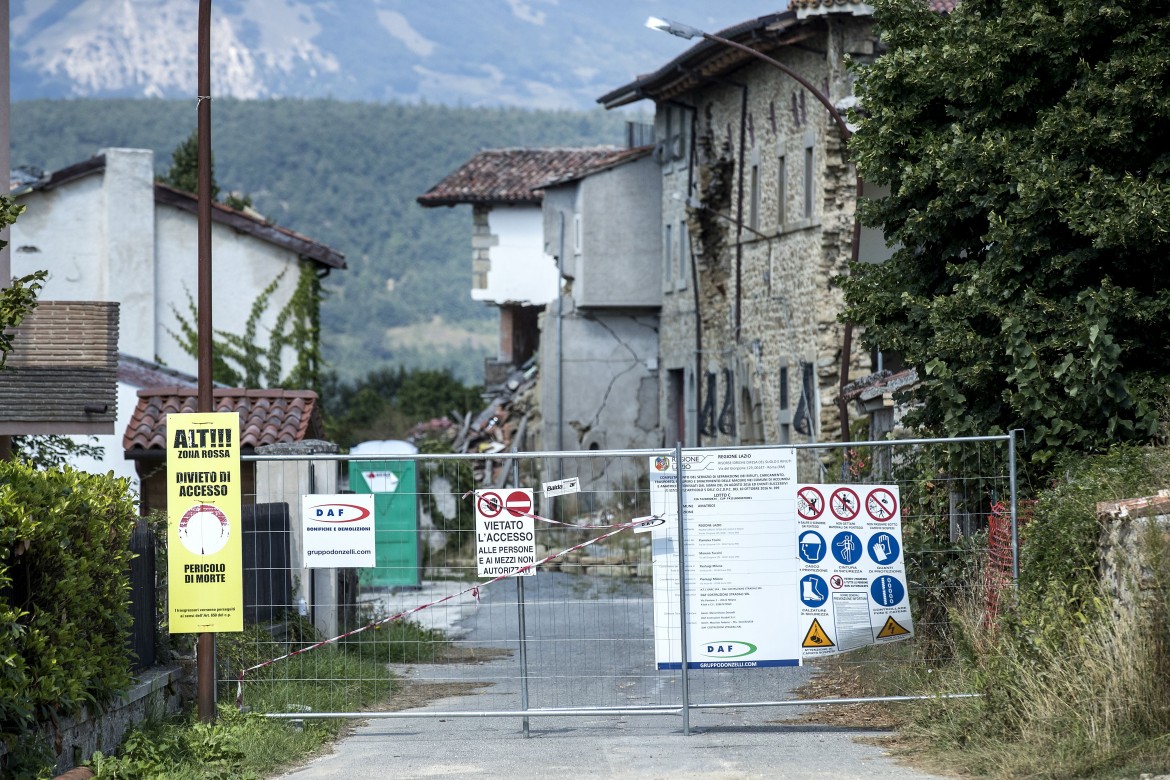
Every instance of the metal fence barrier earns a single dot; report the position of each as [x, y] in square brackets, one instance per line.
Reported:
[578, 637]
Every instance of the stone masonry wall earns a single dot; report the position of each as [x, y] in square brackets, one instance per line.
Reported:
[787, 305]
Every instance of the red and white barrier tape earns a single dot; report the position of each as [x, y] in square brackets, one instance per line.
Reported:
[473, 589]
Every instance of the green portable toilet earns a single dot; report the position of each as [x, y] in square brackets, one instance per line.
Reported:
[394, 484]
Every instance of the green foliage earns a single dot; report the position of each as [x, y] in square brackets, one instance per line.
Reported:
[20, 297]
[50, 451]
[346, 174]
[387, 403]
[1059, 554]
[184, 171]
[240, 360]
[64, 613]
[1071, 686]
[1023, 146]
[162, 748]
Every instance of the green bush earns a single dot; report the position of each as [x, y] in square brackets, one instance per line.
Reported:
[64, 611]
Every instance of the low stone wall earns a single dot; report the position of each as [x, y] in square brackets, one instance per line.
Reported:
[1126, 571]
[156, 692]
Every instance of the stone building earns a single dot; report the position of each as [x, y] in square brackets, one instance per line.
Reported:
[758, 203]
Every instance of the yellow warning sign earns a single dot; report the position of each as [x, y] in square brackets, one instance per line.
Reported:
[816, 636]
[892, 628]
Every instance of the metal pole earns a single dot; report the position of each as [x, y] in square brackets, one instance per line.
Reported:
[1015, 518]
[5, 107]
[682, 589]
[520, 622]
[205, 654]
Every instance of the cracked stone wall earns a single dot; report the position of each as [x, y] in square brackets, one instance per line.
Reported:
[768, 311]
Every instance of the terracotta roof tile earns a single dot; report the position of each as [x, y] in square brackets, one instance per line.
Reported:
[266, 416]
[514, 175]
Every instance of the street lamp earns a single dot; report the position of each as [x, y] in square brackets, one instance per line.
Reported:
[686, 31]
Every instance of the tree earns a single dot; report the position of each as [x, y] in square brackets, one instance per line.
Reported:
[184, 173]
[1024, 143]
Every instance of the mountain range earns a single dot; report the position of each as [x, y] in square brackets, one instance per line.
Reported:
[548, 54]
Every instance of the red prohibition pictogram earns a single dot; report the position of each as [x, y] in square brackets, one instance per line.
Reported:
[489, 504]
[519, 503]
[836, 582]
[881, 504]
[810, 504]
[844, 503]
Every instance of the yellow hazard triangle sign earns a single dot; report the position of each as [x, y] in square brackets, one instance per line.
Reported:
[892, 628]
[816, 636]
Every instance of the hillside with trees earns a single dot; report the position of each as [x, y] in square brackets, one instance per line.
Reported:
[347, 175]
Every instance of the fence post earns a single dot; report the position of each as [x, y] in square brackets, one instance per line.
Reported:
[520, 623]
[682, 588]
[1015, 519]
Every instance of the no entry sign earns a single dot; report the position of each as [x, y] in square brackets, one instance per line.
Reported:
[505, 533]
[519, 503]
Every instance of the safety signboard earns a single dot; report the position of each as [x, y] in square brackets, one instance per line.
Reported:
[505, 533]
[338, 531]
[739, 563]
[205, 561]
[852, 576]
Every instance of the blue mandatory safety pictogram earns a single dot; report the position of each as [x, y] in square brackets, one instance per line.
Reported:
[813, 590]
[812, 547]
[887, 591]
[884, 549]
[847, 548]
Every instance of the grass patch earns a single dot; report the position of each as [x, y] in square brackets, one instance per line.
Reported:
[348, 676]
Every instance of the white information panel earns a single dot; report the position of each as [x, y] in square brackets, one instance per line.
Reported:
[739, 526]
[338, 531]
[852, 576]
[505, 532]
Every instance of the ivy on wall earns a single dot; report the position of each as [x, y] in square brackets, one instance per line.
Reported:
[241, 360]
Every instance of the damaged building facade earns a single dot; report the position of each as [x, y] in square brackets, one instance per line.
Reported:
[757, 212]
[565, 245]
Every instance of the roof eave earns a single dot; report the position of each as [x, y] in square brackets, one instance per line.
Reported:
[697, 56]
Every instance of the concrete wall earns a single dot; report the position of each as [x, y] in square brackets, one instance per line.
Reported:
[608, 369]
[616, 265]
[285, 481]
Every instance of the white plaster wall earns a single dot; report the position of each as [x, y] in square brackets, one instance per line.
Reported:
[62, 232]
[242, 267]
[520, 270]
[103, 237]
[112, 443]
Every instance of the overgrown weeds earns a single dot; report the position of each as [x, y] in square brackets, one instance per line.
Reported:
[1074, 683]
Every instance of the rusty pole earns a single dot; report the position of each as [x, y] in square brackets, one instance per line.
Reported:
[205, 653]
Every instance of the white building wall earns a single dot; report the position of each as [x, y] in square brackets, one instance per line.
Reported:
[520, 271]
[241, 268]
[103, 237]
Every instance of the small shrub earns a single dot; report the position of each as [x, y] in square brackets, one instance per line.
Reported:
[64, 596]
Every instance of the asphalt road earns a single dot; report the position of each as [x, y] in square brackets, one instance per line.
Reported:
[589, 644]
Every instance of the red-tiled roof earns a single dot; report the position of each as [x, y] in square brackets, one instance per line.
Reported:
[513, 176]
[613, 161]
[266, 416]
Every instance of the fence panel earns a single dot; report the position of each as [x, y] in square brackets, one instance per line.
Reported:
[576, 638]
